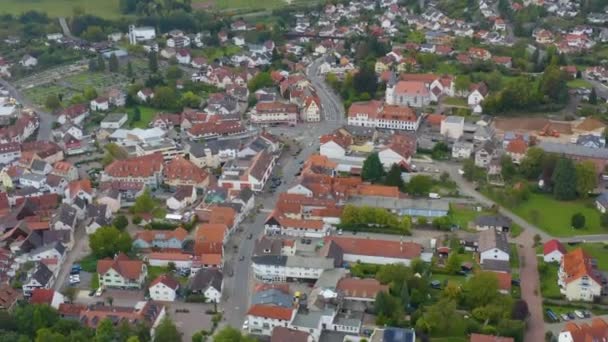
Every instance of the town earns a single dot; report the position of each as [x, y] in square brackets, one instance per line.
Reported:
[348, 171]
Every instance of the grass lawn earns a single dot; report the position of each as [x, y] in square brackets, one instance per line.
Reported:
[548, 281]
[212, 53]
[450, 278]
[88, 263]
[455, 101]
[579, 83]
[514, 258]
[243, 4]
[515, 231]
[94, 281]
[147, 114]
[155, 271]
[554, 216]
[462, 215]
[57, 8]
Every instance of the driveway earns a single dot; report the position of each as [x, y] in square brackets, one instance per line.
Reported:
[530, 287]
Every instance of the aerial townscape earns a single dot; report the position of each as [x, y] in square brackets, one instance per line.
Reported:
[304, 170]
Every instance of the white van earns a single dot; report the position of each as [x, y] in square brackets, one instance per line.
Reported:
[434, 195]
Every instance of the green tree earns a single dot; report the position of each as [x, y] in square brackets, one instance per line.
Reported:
[261, 80]
[593, 97]
[578, 221]
[365, 81]
[108, 241]
[190, 100]
[462, 83]
[604, 220]
[387, 306]
[586, 178]
[164, 97]
[47, 335]
[89, 93]
[135, 339]
[508, 169]
[531, 164]
[439, 318]
[481, 289]
[230, 334]
[121, 222]
[167, 331]
[152, 61]
[174, 72]
[77, 99]
[94, 33]
[372, 171]
[113, 63]
[453, 263]
[136, 114]
[92, 65]
[70, 294]
[101, 63]
[393, 177]
[553, 83]
[130, 73]
[419, 185]
[52, 102]
[144, 203]
[440, 151]
[564, 180]
[105, 331]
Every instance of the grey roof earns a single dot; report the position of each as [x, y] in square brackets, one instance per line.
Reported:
[590, 138]
[114, 117]
[493, 221]
[602, 199]
[97, 213]
[360, 130]
[276, 260]
[66, 215]
[42, 274]
[398, 335]
[80, 202]
[496, 265]
[310, 262]
[453, 119]
[574, 150]
[273, 246]
[57, 246]
[38, 165]
[330, 278]
[206, 277]
[488, 146]
[307, 319]
[272, 296]
[51, 236]
[33, 177]
[489, 239]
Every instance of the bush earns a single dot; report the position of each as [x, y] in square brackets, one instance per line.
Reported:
[196, 298]
[137, 219]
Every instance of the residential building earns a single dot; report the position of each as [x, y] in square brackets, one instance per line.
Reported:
[462, 150]
[379, 252]
[169, 239]
[578, 277]
[121, 272]
[601, 202]
[408, 93]
[393, 335]
[113, 121]
[182, 172]
[281, 334]
[281, 268]
[148, 313]
[9, 152]
[485, 154]
[496, 222]
[209, 282]
[248, 172]
[274, 113]
[39, 277]
[49, 297]
[144, 169]
[163, 288]
[553, 251]
[181, 198]
[596, 330]
[376, 114]
[277, 223]
[360, 290]
[493, 245]
[516, 149]
[264, 318]
[452, 127]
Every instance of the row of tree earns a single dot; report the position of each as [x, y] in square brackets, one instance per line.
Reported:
[369, 218]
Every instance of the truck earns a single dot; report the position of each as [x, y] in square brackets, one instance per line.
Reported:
[434, 195]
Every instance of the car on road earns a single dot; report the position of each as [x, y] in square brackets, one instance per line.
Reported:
[586, 313]
[92, 292]
[99, 291]
[74, 279]
[340, 232]
[250, 236]
[461, 172]
[579, 314]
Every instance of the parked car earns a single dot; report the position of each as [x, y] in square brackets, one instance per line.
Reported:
[579, 314]
[565, 317]
[246, 325]
[99, 291]
[571, 315]
[586, 313]
[552, 315]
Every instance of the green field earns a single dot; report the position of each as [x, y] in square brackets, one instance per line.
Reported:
[579, 83]
[59, 8]
[147, 114]
[554, 216]
[548, 281]
[241, 4]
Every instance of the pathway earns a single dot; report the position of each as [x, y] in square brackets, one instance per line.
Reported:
[530, 287]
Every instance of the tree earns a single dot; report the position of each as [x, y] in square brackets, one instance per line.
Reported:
[393, 177]
[130, 70]
[593, 97]
[174, 72]
[113, 63]
[366, 81]
[531, 164]
[508, 170]
[419, 185]
[564, 180]
[136, 114]
[152, 61]
[578, 221]
[70, 293]
[230, 334]
[439, 318]
[453, 263]
[121, 222]
[372, 171]
[586, 178]
[52, 102]
[92, 65]
[537, 240]
[440, 151]
[101, 63]
[462, 83]
[144, 203]
[167, 331]
[387, 306]
[94, 33]
[520, 310]
[107, 241]
[47, 335]
[604, 220]
[190, 100]
[553, 83]
[89, 93]
[136, 339]
[481, 289]
[261, 80]
[105, 331]
[164, 97]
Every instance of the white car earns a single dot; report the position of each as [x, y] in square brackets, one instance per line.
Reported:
[579, 314]
[74, 279]
[461, 172]
[340, 232]
[246, 325]
[99, 291]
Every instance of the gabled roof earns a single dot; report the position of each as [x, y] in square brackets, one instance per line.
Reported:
[360, 288]
[206, 277]
[165, 280]
[128, 268]
[273, 312]
[553, 245]
[577, 264]
[143, 166]
[489, 239]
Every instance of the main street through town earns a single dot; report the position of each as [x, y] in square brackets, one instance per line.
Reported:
[237, 287]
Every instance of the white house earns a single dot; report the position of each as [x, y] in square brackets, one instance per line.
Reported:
[452, 127]
[121, 272]
[333, 148]
[578, 277]
[209, 282]
[462, 150]
[141, 34]
[28, 61]
[280, 268]
[311, 111]
[40, 277]
[601, 202]
[264, 318]
[183, 56]
[114, 121]
[145, 94]
[553, 251]
[282, 225]
[181, 198]
[53, 251]
[32, 179]
[163, 288]
[100, 104]
[493, 245]
[477, 93]
[394, 155]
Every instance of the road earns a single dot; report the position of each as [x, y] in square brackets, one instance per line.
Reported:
[236, 292]
[79, 251]
[600, 88]
[46, 119]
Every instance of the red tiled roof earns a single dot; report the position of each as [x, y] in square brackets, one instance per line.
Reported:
[128, 268]
[577, 264]
[381, 248]
[142, 166]
[360, 288]
[77, 185]
[42, 296]
[417, 88]
[517, 146]
[184, 170]
[553, 245]
[268, 311]
[174, 256]
[166, 280]
[282, 334]
[378, 190]
[150, 235]
[597, 331]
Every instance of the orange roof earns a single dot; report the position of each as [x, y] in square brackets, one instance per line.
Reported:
[150, 235]
[268, 311]
[77, 185]
[435, 119]
[166, 280]
[426, 78]
[128, 268]
[62, 167]
[504, 280]
[211, 259]
[211, 232]
[184, 170]
[371, 108]
[597, 331]
[517, 146]
[287, 222]
[222, 215]
[320, 161]
[361, 288]
[398, 113]
[378, 190]
[577, 264]
[411, 87]
[383, 248]
[142, 166]
[337, 137]
[42, 296]
[169, 256]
